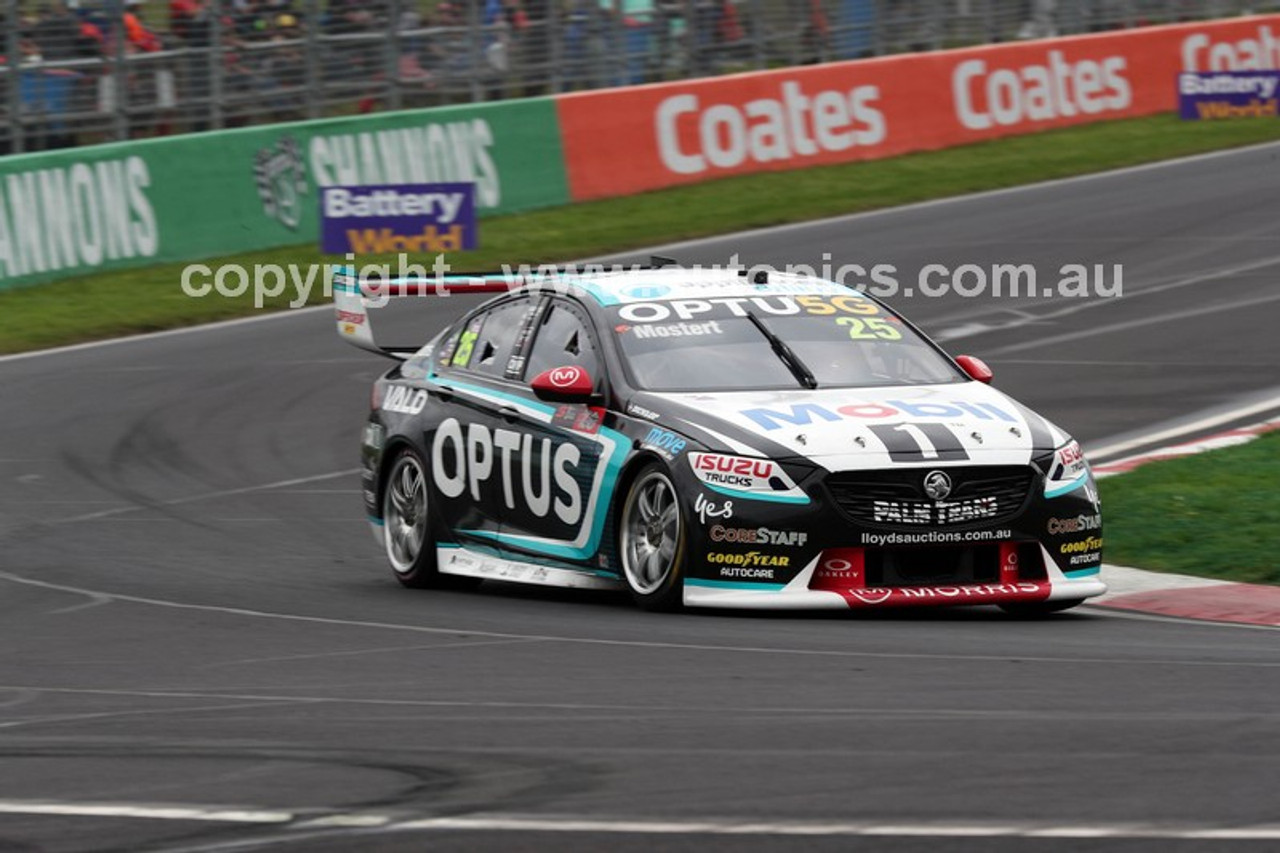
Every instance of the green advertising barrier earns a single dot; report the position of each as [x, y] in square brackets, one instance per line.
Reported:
[126, 204]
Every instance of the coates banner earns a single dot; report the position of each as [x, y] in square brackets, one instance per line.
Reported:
[412, 218]
[1208, 95]
[625, 141]
[202, 195]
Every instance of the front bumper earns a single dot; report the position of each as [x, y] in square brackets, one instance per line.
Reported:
[800, 593]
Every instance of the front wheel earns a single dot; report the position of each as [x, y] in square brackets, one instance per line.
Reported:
[652, 540]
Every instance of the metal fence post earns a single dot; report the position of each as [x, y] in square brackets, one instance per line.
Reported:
[13, 77]
[875, 36]
[759, 55]
[395, 47]
[119, 79]
[617, 75]
[312, 58]
[477, 57]
[689, 35]
[217, 69]
[555, 48]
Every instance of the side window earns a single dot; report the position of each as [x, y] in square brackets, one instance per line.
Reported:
[444, 353]
[490, 339]
[562, 339]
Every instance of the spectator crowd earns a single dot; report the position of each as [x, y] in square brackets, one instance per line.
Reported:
[288, 59]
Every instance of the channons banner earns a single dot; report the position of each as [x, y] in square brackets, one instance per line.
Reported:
[123, 205]
[624, 141]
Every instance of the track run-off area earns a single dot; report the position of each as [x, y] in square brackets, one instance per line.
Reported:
[205, 651]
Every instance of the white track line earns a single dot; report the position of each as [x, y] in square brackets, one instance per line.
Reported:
[209, 496]
[639, 644]
[265, 700]
[923, 829]
[642, 826]
[166, 333]
[220, 814]
[1071, 306]
[1208, 422]
[948, 200]
[702, 241]
[1124, 326]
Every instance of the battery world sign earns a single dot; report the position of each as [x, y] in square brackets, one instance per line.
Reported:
[404, 218]
[1229, 94]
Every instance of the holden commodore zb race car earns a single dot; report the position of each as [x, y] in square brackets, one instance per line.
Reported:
[714, 439]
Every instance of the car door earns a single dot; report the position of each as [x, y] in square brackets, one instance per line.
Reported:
[476, 379]
[567, 460]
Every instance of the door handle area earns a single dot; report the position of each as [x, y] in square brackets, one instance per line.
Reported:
[509, 414]
[444, 392]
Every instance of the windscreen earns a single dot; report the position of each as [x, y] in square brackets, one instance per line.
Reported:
[773, 342]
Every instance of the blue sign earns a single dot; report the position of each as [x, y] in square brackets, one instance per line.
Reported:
[392, 218]
[1228, 94]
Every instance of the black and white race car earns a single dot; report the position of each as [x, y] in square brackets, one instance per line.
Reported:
[714, 439]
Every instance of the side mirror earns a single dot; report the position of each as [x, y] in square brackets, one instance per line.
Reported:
[570, 384]
[975, 367]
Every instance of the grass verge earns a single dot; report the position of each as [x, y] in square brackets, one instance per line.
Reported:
[1214, 514]
[147, 299]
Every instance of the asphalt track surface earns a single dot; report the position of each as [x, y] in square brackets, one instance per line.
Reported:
[193, 615]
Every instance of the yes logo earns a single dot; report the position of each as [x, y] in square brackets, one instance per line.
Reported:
[708, 509]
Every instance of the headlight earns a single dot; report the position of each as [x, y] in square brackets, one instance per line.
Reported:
[1065, 471]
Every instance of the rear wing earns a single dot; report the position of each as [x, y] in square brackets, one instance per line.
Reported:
[353, 295]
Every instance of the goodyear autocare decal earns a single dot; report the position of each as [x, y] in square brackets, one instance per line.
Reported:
[538, 477]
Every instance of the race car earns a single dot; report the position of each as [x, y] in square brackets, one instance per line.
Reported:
[713, 438]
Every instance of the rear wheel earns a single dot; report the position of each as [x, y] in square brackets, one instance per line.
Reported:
[408, 532]
[651, 542]
[406, 522]
[1038, 609]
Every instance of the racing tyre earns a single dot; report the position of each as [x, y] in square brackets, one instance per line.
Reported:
[1039, 609]
[408, 532]
[651, 540]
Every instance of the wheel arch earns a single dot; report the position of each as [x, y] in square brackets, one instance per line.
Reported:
[390, 451]
[609, 537]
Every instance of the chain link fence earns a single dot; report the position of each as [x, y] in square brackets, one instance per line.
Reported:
[76, 72]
